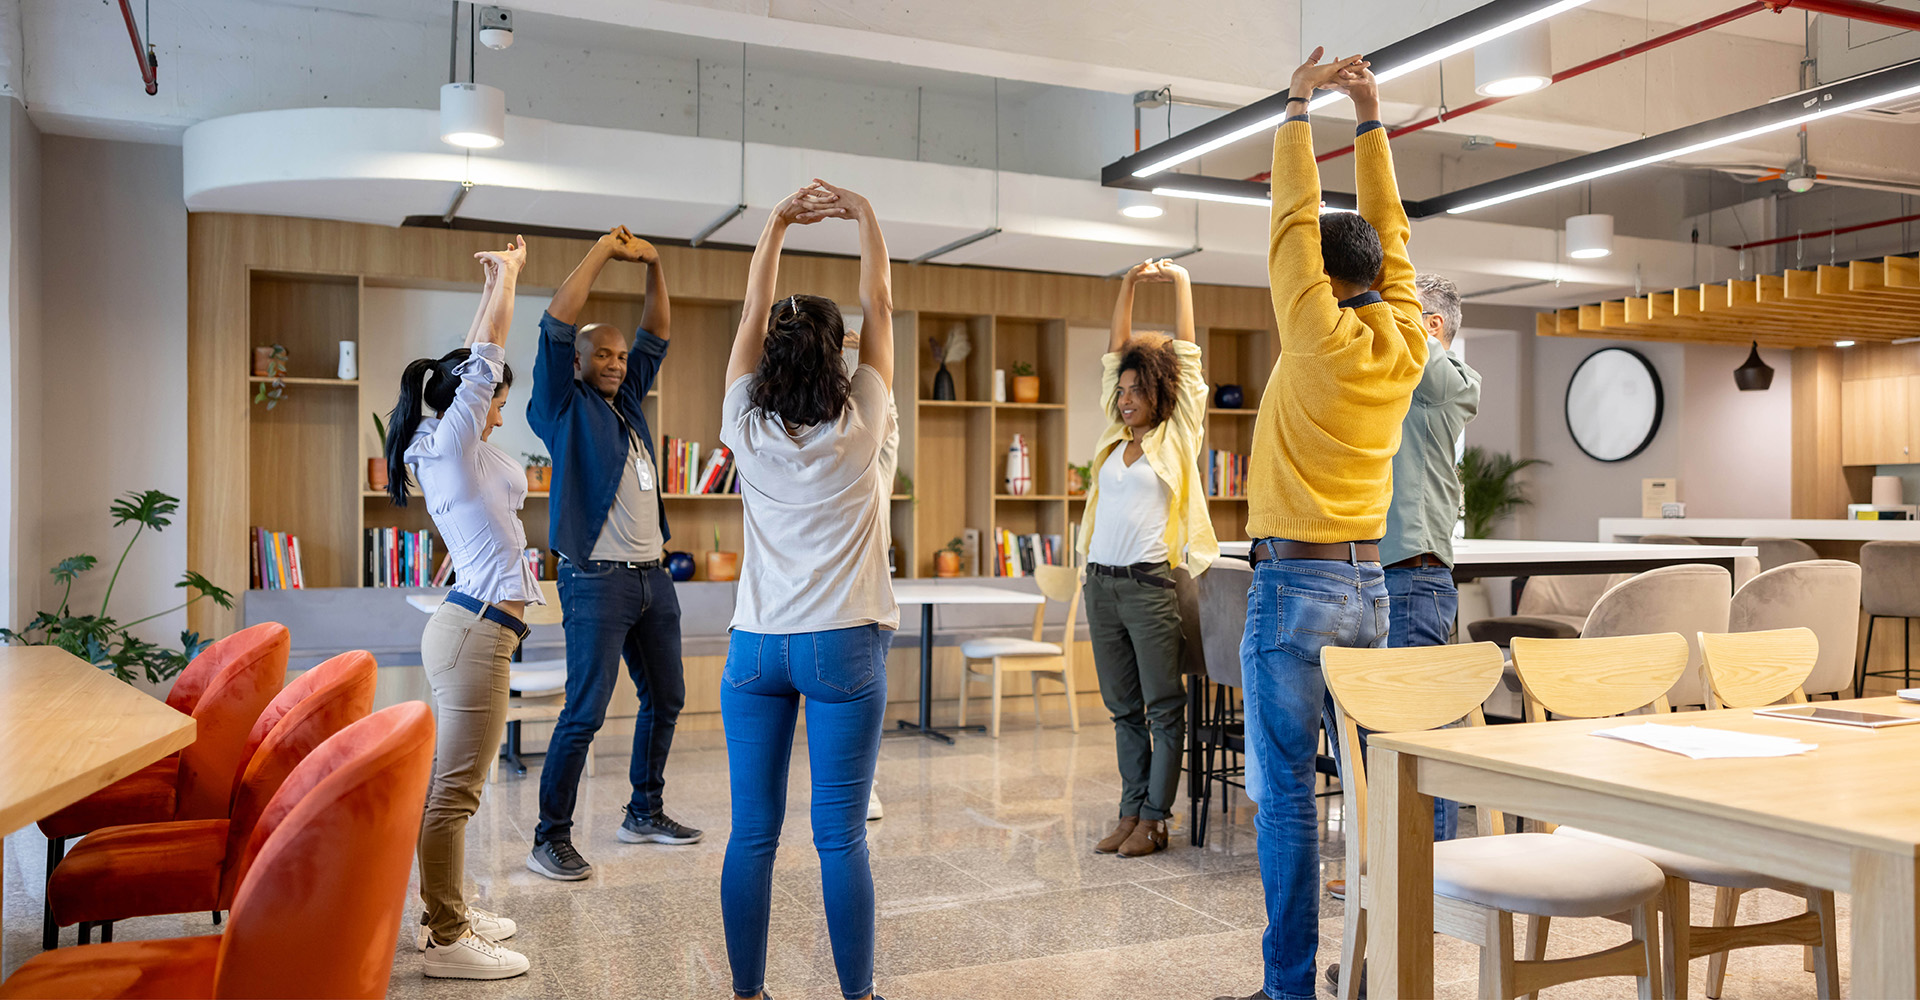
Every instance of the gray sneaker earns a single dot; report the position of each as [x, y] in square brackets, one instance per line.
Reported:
[656, 829]
[556, 859]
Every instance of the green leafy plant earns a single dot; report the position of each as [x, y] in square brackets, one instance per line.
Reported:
[102, 640]
[537, 461]
[955, 546]
[1021, 369]
[903, 484]
[380, 428]
[1080, 476]
[275, 389]
[1489, 491]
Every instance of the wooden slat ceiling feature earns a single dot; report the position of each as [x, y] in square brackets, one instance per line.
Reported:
[1865, 300]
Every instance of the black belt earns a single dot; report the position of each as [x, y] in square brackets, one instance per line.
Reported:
[649, 564]
[1424, 559]
[1346, 552]
[1137, 571]
[488, 612]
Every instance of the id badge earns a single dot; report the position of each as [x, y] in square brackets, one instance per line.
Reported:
[645, 471]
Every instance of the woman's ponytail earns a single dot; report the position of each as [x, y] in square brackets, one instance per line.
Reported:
[401, 425]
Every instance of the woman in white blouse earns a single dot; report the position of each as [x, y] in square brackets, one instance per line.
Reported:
[474, 492]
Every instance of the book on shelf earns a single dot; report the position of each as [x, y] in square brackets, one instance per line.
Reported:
[395, 558]
[1019, 555]
[683, 472]
[537, 562]
[276, 563]
[443, 576]
[1226, 474]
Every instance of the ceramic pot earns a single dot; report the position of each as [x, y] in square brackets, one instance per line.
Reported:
[263, 361]
[1026, 388]
[376, 473]
[1228, 397]
[539, 478]
[723, 566]
[943, 383]
[680, 565]
[946, 564]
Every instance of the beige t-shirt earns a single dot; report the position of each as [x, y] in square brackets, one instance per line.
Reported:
[815, 513]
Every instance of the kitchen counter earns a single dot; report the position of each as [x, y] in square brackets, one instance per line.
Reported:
[1627, 529]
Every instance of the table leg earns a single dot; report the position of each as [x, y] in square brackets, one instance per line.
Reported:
[925, 726]
[1196, 695]
[1886, 926]
[1400, 874]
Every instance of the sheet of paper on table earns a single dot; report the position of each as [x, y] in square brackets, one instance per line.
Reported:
[1701, 744]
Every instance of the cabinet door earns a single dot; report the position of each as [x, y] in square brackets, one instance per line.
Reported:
[1876, 421]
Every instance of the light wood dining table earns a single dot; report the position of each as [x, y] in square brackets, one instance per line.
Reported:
[69, 729]
[1844, 817]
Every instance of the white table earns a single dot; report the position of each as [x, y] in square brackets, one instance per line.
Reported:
[1474, 558]
[927, 593]
[1809, 529]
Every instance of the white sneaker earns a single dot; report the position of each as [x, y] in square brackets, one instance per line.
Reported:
[472, 957]
[486, 923]
[873, 804]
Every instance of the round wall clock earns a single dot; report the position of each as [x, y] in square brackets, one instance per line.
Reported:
[1614, 404]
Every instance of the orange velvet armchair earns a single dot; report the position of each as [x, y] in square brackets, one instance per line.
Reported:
[181, 866]
[322, 885]
[225, 688]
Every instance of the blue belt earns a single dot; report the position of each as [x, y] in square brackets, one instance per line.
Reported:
[488, 611]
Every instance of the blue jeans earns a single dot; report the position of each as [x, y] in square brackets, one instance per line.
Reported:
[842, 674]
[614, 611]
[1424, 602]
[1295, 608]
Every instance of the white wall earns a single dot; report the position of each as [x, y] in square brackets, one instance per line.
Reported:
[1086, 416]
[113, 250]
[19, 354]
[1736, 459]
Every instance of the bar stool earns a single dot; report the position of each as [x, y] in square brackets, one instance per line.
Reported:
[1781, 551]
[1889, 588]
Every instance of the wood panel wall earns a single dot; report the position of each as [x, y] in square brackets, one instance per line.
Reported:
[224, 251]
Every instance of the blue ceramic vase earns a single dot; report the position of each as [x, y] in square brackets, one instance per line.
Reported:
[680, 564]
[1228, 397]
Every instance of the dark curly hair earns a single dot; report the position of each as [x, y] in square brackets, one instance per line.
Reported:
[802, 379]
[1152, 358]
[1350, 248]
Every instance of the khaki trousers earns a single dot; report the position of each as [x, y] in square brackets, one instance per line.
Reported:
[466, 658]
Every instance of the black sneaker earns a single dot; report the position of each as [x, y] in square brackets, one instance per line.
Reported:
[1333, 979]
[656, 829]
[556, 859]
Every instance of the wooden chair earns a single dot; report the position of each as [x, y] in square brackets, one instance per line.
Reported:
[1617, 675]
[1753, 670]
[536, 689]
[1035, 657]
[1481, 882]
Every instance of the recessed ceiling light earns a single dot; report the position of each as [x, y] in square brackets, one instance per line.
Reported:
[1843, 343]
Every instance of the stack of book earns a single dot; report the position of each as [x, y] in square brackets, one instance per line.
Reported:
[1019, 555]
[682, 471]
[1226, 474]
[396, 558]
[537, 562]
[276, 561]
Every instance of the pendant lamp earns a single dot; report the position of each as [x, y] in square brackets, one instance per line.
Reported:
[1754, 375]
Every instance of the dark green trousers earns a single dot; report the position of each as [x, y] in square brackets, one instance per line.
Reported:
[1136, 651]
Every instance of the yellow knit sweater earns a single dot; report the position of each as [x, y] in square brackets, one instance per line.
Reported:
[1330, 418]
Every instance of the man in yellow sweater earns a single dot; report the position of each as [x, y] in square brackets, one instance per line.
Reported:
[1352, 348]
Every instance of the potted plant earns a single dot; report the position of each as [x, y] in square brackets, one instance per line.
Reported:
[539, 473]
[377, 467]
[1489, 492]
[946, 562]
[722, 566]
[1026, 385]
[1079, 478]
[903, 485]
[102, 640]
[270, 363]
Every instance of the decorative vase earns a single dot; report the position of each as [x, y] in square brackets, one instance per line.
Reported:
[539, 478]
[680, 565]
[349, 361]
[263, 361]
[946, 563]
[943, 383]
[1019, 467]
[1228, 397]
[376, 474]
[999, 385]
[1026, 388]
[723, 566]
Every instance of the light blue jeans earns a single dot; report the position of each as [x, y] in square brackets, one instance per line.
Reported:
[1295, 608]
[842, 674]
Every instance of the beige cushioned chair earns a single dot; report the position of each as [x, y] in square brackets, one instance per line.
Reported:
[1688, 599]
[1820, 594]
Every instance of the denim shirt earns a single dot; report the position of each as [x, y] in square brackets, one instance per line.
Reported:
[1426, 481]
[587, 434]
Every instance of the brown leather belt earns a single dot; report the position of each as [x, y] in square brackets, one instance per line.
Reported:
[1346, 552]
[1422, 560]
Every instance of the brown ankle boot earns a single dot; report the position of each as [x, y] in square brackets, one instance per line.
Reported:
[1121, 831]
[1148, 837]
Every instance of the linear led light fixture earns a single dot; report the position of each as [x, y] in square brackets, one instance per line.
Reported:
[1482, 24]
[955, 245]
[1783, 113]
[1232, 191]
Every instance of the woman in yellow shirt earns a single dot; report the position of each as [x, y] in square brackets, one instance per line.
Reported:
[1146, 515]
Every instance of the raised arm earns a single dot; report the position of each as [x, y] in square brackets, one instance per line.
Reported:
[1379, 192]
[572, 295]
[495, 316]
[1122, 328]
[1182, 300]
[657, 316]
[876, 275]
[749, 342]
[1303, 303]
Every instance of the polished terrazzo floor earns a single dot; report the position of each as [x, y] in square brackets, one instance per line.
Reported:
[986, 884]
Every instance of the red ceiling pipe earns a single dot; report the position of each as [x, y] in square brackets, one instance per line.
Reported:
[1567, 74]
[1855, 9]
[149, 67]
[1827, 232]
